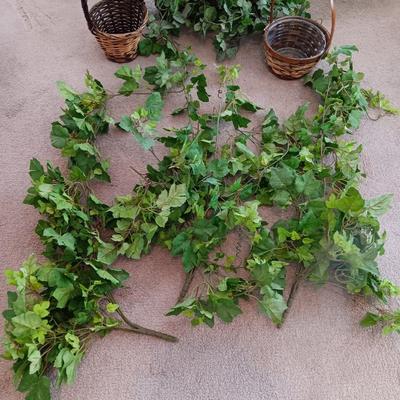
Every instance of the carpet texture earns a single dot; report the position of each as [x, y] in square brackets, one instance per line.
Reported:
[321, 353]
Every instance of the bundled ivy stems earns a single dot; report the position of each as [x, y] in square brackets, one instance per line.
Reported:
[208, 185]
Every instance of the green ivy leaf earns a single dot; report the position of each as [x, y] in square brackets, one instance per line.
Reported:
[126, 123]
[281, 177]
[131, 78]
[154, 105]
[36, 170]
[145, 47]
[127, 73]
[162, 218]
[281, 198]
[219, 168]
[112, 307]
[128, 87]
[273, 304]
[379, 205]
[35, 359]
[63, 295]
[308, 185]
[42, 309]
[355, 118]
[349, 201]
[27, 320]
[66, 91]
[369, 319]
[201, 83]
[104, 274]
[135, 249]
[38, 387]
[107, 253]
[225, 308]
[181, 245]
[67, 362]
[59, 136]
[176, 197]
[65, 240]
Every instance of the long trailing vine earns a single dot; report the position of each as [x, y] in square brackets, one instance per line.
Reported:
[221, 170]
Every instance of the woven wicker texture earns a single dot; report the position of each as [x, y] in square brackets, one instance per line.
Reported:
[117, 26]
[294, 45]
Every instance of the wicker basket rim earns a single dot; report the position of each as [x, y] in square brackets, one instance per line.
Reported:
[126, 34]
[302, 19]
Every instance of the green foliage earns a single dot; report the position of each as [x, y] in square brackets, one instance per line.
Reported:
[83, 119]
[389, 320]
[376, 100]
[142, 123]
[57, 306]
[50, 318]
[131, 78]
[228, 20]
[206, 187]
[158, 38]
[334, 234]
[340, 88]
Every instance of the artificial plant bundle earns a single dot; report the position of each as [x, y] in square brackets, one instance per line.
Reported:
[208, 185]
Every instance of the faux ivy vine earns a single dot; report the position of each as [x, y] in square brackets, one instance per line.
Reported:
[208, 185]
[228, 20]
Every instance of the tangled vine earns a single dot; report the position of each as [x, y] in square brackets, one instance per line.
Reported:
[220, 172]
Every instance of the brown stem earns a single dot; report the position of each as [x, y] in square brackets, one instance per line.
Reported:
[293, 290]
[112, 95]
[139, 173]
[149, 332]
[145, 331]
[154, 155]
[140, 329]
[380, 115]
[186, 284]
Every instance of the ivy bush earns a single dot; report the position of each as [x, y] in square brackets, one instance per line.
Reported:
[208, 185]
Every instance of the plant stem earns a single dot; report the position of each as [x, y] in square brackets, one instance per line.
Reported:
[149, 332]
[186, 284]
[293, 290]
[137, 172]
[140, 329]
[154, 155]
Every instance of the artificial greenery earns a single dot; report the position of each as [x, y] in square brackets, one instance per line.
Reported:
[228, 20]
[221, 170]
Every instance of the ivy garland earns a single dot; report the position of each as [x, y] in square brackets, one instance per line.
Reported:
[228, 20]
[208, 185]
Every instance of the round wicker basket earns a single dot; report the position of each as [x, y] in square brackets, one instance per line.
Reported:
[117, 26]
[294, 45]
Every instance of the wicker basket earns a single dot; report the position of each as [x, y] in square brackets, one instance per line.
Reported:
[117, 26]
[294, 45]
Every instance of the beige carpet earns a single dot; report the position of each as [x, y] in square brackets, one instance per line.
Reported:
[321, 353]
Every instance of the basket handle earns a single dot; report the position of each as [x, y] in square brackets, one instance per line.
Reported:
[333, 20]
[85, 9]
[333, 25]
